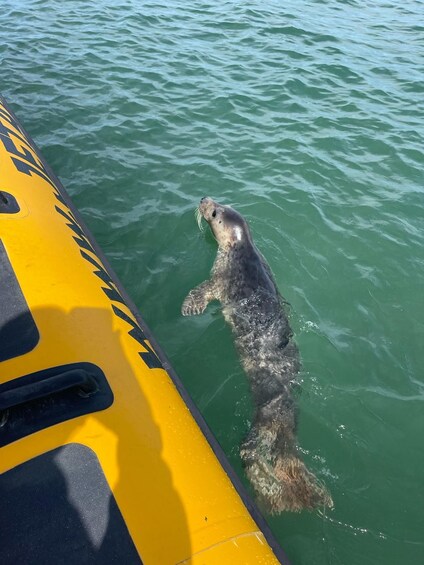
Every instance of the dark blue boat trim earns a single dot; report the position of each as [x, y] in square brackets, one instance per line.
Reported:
[58, 509]
[8, 203]
[18, 331]
[250, 505]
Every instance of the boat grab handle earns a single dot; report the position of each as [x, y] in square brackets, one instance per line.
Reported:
[74, 378]
[36, 401]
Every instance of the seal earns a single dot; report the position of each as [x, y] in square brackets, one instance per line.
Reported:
[251, 304]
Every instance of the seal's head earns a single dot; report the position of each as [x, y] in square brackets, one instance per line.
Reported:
[228, 226]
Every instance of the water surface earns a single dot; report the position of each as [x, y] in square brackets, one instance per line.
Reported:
[308, 118]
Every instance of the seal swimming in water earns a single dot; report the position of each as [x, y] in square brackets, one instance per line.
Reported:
[252, 305]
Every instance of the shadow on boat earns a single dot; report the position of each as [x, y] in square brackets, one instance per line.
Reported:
[87, 486]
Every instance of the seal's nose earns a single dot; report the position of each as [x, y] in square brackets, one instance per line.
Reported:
[204, 198]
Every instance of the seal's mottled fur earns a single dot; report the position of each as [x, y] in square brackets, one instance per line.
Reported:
[242, 281]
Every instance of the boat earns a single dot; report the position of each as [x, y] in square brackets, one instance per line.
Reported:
[104, 458]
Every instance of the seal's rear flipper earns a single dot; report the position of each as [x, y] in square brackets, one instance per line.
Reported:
[287, 485]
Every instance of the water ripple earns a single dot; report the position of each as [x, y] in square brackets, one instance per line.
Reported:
[309, 119]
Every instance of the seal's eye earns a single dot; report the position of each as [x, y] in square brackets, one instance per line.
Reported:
[214, 214]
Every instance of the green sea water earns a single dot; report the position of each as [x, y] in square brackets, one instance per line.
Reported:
[308, 117]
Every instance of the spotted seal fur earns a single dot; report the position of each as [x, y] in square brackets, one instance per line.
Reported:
[252, 305]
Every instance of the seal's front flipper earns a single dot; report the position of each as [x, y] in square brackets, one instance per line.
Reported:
[198, 298]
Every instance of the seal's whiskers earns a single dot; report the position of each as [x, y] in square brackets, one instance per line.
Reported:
[198, 216]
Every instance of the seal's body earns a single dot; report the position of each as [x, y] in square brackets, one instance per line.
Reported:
[242, 281]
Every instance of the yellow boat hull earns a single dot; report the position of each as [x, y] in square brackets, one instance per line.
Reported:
[112, 405]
